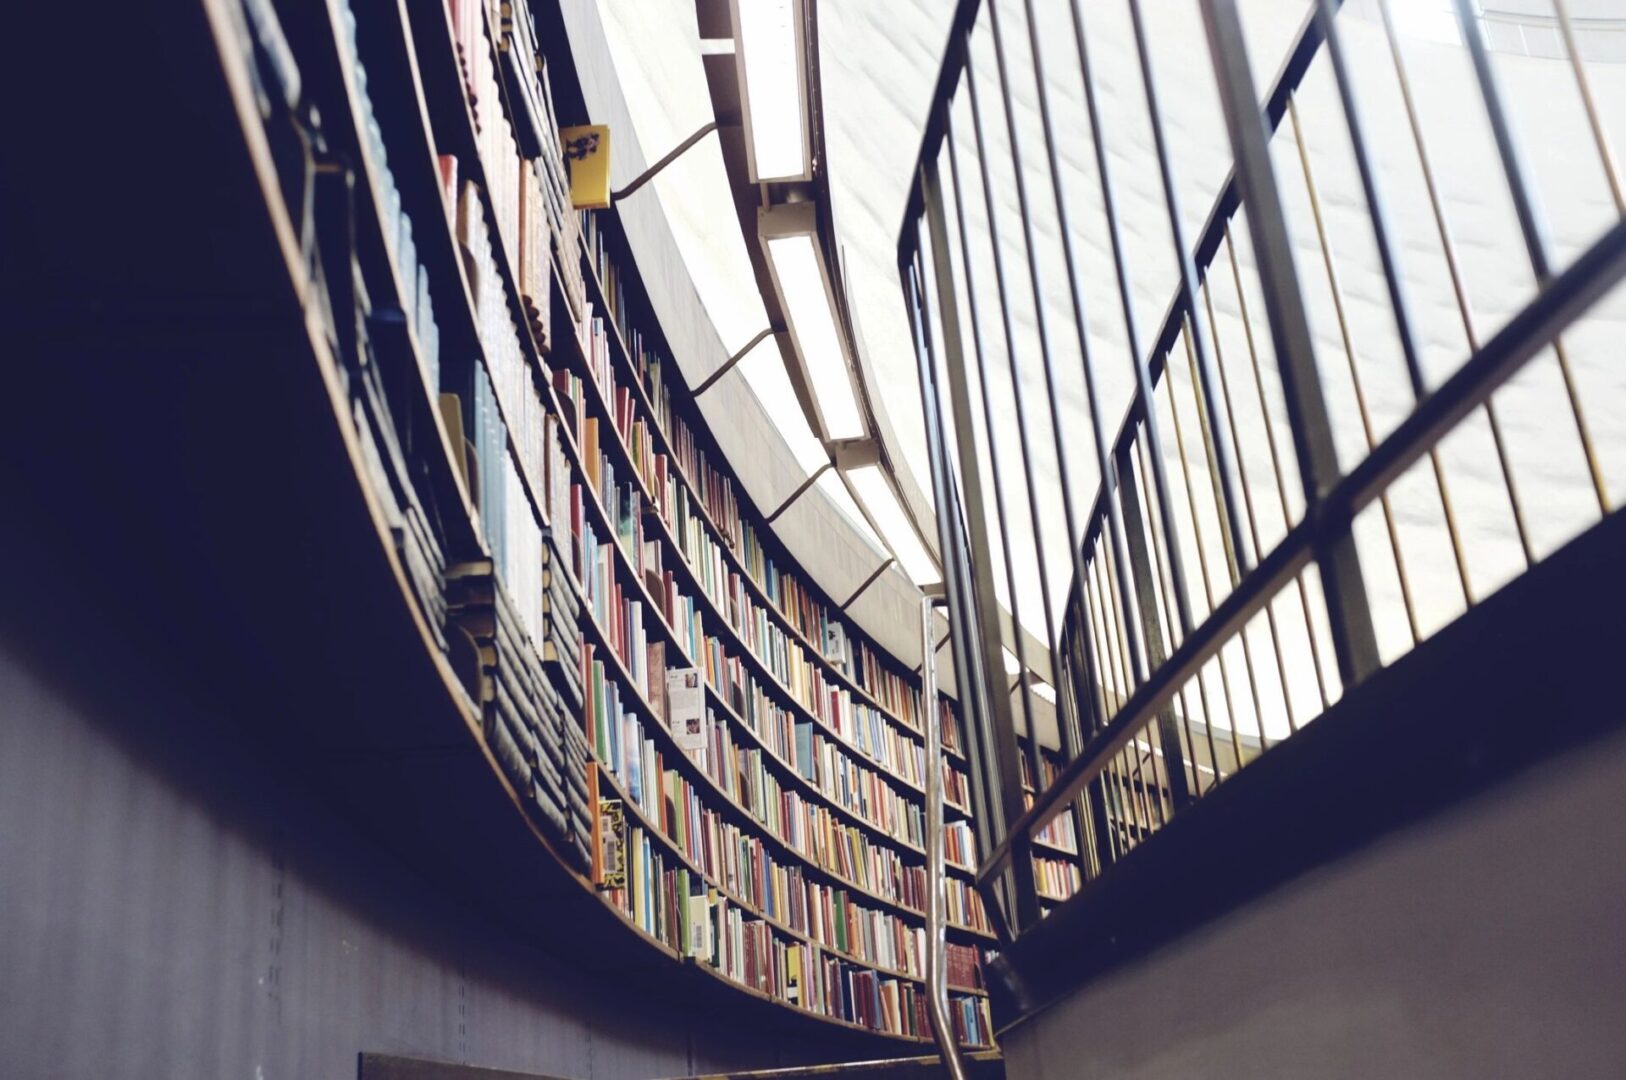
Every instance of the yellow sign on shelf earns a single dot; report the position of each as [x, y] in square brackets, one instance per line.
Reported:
[587, 153]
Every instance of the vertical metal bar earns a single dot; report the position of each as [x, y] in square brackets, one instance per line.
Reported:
[1327, 14]
[995, 458]
[1168, 731]
[1117, 626]
[1018, 390]
[1346, 335]
[1104, 633]
[1458, 287]
[1353, 636]
[1195, 787]
[1531, 223]
[948, 1046]
[1606, 152]
[1275, 465]
[981, 753]
[1206, 432]
[1003, 726]
[1143, 378]
[1103, 674]
[1160, 774]
[1197, 530]
[1137, 663]
[1224, 459]
[990, 817]
[1167, 546]
[1095, 798]
[1253, 518]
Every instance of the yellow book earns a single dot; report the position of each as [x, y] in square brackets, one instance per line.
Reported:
[793, 976]
[587, 153]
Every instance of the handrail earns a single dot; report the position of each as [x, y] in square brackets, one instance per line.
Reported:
[936, 939]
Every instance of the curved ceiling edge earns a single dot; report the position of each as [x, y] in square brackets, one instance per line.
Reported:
[817, 533]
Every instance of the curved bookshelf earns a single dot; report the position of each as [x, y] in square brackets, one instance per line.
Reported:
[632, 580]
[621, 354]
[712, 616]
[410, 51]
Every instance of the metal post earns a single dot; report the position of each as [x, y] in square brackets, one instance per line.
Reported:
[989, 631]
[957, 581]
[1140, 567]
[936, 939]
[1353, 637]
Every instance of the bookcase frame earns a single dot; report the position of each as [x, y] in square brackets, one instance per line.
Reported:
[412, 63]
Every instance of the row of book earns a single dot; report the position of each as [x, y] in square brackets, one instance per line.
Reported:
[804, 747]
[528, 718]
[1058, 832]
[973, 1022]
[1056, 879]
[794, 602]
[511, 374]
[797, 604]
[722, 849]
[825, 912]
[963, 907]
[387, 456]
[369, 340]
[412, 277]
[781, 655]
[670, 904]
[616, 609]
[517, 144]
[860, 791]
[863, 792]
[964, 966]
[959, 845]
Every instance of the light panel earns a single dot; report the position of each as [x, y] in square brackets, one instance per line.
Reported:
[770, 52]
[799, 274]
[871, 486]
[834, 489]
[764, 371]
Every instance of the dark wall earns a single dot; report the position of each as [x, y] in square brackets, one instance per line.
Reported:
[173, 903]
[1487, 942]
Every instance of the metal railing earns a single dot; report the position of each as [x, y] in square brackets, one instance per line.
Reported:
[937, 1006]
[1208, 615]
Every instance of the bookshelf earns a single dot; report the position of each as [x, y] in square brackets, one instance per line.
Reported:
[561, 531]
[1055, 847]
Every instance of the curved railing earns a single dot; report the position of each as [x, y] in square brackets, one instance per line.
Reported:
[1209, 615]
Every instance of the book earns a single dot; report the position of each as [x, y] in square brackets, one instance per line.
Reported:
[611, 856]
[587, 152]
[686, 708]
[655, 659]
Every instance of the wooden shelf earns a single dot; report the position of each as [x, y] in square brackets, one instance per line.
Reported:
[416, 177]
[297, 544]
[634, 809]
[612, 441]
[618, 668]
[633, 581]
[621, 353]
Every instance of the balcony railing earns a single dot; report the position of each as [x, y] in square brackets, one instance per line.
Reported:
[1221, 591]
